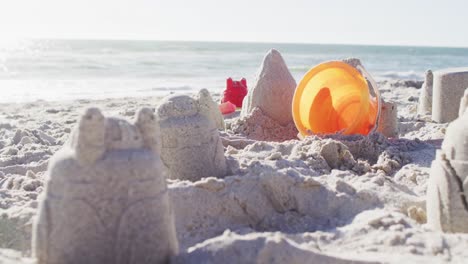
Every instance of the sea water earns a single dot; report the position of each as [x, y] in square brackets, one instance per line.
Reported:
[91, 69]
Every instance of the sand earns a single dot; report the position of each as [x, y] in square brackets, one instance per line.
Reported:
[325, 200]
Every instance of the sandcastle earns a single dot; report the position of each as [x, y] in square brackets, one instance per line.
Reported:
[388, 121]
[106, 199]
[191, 146]
[209, 108]
[447, 192]
[273, 90]
[425, 98]
[449, 85]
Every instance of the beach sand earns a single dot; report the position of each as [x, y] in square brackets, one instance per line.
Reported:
[318, 200]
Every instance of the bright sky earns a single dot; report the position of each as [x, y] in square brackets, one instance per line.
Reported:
[389, 22]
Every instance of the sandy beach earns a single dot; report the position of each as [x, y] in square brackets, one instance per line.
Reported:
[280, 201]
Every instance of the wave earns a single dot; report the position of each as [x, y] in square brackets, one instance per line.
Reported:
[300, 68]
[395, 75]
[167, 89]
[400, 75]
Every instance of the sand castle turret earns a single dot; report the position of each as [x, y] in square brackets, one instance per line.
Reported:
[447, 193]
[208, 107]
[388, 121]
[449, 85]
[191, 146]
[273, 90]
[425, 97]
[106, 199]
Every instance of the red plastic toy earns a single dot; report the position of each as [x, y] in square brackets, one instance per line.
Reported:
[227, 108]
[235, 91]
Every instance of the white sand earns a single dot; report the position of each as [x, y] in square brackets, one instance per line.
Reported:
[318, 200]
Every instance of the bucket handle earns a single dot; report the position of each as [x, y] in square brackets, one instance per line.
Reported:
[374, 91]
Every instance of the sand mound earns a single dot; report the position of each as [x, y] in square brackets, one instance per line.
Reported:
[259, 126]
[256, 248]
[273, 90]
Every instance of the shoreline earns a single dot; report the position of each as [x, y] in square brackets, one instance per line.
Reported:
[416, 83]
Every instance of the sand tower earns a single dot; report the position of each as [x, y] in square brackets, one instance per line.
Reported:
[191, 146]
[273, 90]
[388, 121]
[209, 108]
[106, 199]
[425, 97]
[449, 85]
[447, 193]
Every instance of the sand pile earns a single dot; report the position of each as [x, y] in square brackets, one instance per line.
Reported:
[258, 126]
[257, 248]
[266, 112]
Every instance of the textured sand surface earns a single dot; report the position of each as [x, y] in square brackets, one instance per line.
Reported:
[330, 200]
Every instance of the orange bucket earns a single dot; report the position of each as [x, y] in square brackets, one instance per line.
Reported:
[334, 97]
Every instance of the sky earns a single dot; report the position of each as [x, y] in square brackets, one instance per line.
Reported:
[371, 22]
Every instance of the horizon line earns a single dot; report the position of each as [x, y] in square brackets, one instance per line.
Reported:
[236, 41]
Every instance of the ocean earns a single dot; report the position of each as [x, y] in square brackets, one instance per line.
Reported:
[92, 69]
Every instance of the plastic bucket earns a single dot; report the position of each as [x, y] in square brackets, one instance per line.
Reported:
[334, 97]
